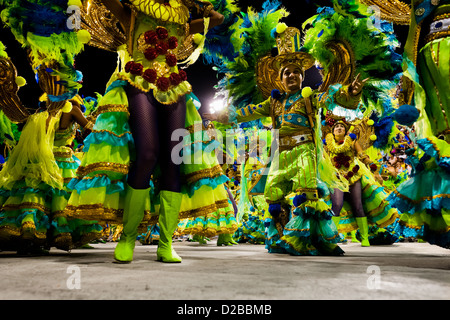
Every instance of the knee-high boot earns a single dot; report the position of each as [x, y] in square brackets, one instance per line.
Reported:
[168, 221]
[133, 213]
[363, 230]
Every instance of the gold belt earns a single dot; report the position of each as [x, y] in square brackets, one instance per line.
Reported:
[289, 142]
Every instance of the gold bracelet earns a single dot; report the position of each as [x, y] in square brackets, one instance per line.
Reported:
[89, 125]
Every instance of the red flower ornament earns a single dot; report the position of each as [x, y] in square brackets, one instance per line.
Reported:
[171, 60]
[173, 42]
[183, 75]
[151, 37]
[175, 79]
[134, 68]
[163, 83]
[150, 54]
[162, 33]
[150, 75]
[162, 47]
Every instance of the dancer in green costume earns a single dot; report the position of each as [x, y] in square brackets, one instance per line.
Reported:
[294, 171]
[132, 162]
[426, 210]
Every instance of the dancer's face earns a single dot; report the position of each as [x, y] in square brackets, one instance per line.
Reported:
[339, 130]
[291, 78]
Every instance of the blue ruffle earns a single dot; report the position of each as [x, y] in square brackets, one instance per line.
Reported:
[407, 232]
[106, 137]
[404, 206]
[40, 219]
[428, 147]
[211, 182]
[272, 237]
[96, 182]
[74, 164]
[310, 213]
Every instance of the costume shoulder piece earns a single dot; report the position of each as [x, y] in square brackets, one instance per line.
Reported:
[10, 102]
[102, 26]
[394, 11]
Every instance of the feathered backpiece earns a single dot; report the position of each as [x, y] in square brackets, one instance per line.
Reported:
[346, 42]
[251, 40]
[43, 28]
[218, 44]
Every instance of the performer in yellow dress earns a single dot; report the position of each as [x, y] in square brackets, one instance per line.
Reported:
[367, 197]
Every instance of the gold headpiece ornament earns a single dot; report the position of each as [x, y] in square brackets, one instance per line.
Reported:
[269, 68]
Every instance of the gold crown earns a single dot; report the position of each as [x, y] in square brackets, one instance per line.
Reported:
[269, 68]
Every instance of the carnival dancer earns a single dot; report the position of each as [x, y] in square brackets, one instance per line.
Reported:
[32, 181]
[425, 210]
[294, 170]
[34, 186]
[367, 197]
[132, 160]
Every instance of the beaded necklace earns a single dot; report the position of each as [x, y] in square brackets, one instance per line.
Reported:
[335, 148]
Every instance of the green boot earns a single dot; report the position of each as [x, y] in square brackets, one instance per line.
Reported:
[353, 235]
[133, 213]
[230, 239]
[364, 231]
[199, 239]
[223, 240]
[168, 222]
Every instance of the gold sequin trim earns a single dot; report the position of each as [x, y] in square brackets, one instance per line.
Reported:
[203, 211]
[100, 214]
[205, 173]
[63, 155]
[437, 35]
[112, 133]
[102, 166]
[112, 108]
[401, 196]
[27, 231]
[26, 205]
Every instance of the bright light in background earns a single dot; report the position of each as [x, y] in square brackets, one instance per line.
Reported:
[217, 105]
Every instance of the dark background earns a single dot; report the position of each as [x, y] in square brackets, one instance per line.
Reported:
[98, 65]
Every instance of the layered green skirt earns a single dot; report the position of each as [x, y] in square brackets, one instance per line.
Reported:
[377, 209]
[98, 189]
[424, 199]
[310, 230]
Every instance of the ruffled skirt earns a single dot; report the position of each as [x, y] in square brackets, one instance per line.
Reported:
[34, 195]
[309, 229]
[424, 200]
[98, 189]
